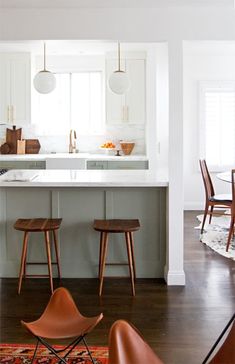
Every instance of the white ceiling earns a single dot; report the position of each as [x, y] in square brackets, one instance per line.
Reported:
[111, 3]
[70, 47]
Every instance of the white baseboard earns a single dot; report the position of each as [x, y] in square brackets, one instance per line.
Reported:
[174, 278]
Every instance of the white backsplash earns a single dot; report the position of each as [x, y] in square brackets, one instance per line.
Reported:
[88, 143]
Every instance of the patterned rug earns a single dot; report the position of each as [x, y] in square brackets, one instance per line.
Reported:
[22, 354]
[215, 235]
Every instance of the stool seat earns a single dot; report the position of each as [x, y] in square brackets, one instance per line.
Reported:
[116, 225]
[125, 226]
[39, 224]
[45, 226]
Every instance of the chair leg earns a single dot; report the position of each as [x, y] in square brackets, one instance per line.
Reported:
[211, 212]
[57, 252]
[132, 253]
[101, 251]
[230, 233]
[103, 259]
[35, 351]
[128, 245]
[83, 339]
[23, 260]
[48, 250]
[204, 217]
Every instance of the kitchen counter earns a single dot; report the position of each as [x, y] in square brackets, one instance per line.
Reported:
[84, 178]
[86, 156]
[79, 197]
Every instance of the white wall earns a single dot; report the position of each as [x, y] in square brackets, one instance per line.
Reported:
[142, 21]
[203, 61]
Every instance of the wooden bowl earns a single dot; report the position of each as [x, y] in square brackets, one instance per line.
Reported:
[127, 147]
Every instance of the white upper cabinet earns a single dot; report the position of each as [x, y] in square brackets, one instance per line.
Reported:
[130, 107]
[15, 88]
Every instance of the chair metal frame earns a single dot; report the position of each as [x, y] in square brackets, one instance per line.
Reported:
[73, 344]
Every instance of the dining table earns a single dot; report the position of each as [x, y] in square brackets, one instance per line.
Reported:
[225, 176]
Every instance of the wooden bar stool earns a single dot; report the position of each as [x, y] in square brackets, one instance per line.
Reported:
[38, 225]
[116, 226]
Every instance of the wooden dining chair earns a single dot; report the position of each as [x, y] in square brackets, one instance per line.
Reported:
[232, 221]
[222, 201]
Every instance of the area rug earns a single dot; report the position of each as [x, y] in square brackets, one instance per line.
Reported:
[215, 235]
[22, 354]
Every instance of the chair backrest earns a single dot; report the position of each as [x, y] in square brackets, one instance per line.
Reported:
[226, 353]
[209, 189]
[127, 346]
[233, 191]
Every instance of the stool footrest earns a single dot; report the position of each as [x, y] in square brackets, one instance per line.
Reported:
[39, 263]
[116, 264]
[36, 275]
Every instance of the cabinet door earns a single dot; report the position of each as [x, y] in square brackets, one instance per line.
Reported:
[4, 89]
[15, 88]
[135, 96]
[115, 104]
[128, 165]
[130, 107]
[20, 88]
[97, 165]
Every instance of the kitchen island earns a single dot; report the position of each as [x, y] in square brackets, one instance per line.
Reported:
[79, 197]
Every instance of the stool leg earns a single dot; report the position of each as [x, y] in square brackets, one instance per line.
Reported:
[48, 249]
[128, 245]
[101, 251]
[23, 260]
[103, 259]
[132, 253]
[57, 252]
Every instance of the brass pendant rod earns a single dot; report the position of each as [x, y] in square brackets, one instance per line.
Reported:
[44, 56]
[119, 58]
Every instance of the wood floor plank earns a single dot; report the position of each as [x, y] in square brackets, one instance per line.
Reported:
[180, 323]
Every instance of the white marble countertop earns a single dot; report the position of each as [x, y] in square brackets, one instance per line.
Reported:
[84, 178]
[87, 156]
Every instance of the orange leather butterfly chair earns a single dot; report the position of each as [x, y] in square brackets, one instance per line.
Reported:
[127, 346]
[62, 320]
[226, 353]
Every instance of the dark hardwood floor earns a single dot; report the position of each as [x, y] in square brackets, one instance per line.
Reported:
[180, 323]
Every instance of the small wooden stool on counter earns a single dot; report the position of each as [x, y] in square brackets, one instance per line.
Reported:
[116, 226]
[38, 225]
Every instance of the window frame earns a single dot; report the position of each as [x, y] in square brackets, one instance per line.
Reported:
[203, 87]
[71, 125]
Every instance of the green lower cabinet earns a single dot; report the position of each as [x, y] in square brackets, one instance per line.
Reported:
[117, 164]
[22, 164]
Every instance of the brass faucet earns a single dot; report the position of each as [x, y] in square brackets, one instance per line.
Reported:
[72, 141]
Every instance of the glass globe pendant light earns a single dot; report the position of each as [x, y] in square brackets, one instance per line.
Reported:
[119, 81]
[44, 81]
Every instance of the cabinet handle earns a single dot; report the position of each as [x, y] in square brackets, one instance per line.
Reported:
[123, 113]
[127, 113]
[8, 113]
[12, 113]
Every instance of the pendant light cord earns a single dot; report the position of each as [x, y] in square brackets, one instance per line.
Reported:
[44, 59]
[119, 58]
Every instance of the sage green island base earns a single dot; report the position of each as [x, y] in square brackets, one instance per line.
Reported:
[79, 243]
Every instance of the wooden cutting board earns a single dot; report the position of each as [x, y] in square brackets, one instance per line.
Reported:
[12, 135]
[32, 146]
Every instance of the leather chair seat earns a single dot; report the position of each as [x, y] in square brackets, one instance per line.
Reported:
[227, 198]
